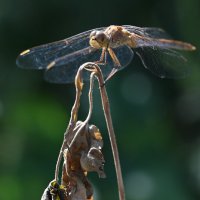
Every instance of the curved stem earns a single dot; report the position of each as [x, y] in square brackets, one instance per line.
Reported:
[83, 124]
[72, 121]
[107, 114]
[74, 116]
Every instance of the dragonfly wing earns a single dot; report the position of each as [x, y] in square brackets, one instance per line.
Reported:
[39, 57]
[64, 69]
[165, 63]
[150, 32]
[64, 72]
[156, 37]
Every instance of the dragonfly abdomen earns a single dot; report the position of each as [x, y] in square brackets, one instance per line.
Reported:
[174, 44]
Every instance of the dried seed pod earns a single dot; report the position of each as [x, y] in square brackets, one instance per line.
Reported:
[93, 160]
[95, 137]
[73, 176]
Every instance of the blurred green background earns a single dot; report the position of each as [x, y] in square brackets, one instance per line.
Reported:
[157, 122]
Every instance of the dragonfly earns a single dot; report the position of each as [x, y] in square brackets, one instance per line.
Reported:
[114, 48]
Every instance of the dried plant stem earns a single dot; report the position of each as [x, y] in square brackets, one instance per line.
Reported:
[106, 108]
[89, 113]
[74, 115]
[107, 113]
[72, 121]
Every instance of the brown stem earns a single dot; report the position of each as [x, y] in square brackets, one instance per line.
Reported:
[83, 124]
[73, 119]
[68, 137]
[107, 113]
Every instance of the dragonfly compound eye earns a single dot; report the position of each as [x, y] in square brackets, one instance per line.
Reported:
[101, 37]
[98, 39]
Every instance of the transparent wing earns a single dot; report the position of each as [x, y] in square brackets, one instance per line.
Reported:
[165, 63]
[156, 37]
[64, 72]
[151, 32]
[40, 56]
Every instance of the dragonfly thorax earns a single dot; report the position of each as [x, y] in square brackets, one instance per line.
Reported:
[98, 39]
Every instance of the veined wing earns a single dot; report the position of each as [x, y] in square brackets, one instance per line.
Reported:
[151, 32]
[165, 63]
[156, 37]
[156, 51]
[64, 72]
[40, 56]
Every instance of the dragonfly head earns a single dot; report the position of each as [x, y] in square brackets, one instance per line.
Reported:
[98, 39]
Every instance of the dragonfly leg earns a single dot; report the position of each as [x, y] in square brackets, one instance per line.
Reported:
[103, 53]
[114, 57]
[116, 63]
[103, 57]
